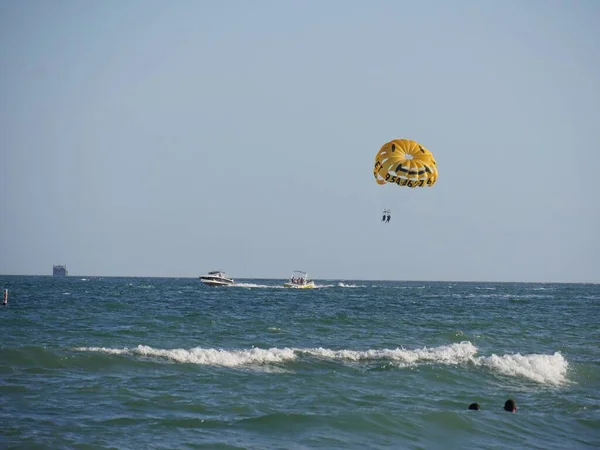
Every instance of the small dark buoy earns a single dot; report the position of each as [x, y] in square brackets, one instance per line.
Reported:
[5, 301]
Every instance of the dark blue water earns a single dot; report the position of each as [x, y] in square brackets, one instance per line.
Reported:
[94, 363]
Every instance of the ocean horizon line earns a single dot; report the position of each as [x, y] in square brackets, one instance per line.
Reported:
[316, 279]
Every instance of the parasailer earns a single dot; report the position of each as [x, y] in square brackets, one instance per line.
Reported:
[387, 215]
[405, 163]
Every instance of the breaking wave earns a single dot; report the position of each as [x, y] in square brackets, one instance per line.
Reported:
[540, 368]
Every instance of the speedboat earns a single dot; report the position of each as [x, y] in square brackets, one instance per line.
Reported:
[216, 278]
[299, 280]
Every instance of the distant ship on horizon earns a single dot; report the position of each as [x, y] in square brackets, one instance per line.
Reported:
[60, 270]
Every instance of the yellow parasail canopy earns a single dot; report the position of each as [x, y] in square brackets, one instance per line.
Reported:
[405, 163]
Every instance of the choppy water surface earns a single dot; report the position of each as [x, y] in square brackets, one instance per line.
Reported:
[171, 363]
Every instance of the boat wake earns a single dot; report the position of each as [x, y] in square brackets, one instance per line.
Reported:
[275, 286]
[344, 285]
[252, 285]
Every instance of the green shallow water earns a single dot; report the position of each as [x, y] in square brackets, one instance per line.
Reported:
[170, 363]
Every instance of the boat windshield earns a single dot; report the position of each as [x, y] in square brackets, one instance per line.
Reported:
[217, 273]
[299, 277]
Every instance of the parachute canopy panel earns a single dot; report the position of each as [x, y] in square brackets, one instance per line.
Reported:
[405, 163]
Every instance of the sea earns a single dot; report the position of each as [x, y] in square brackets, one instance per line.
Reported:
[169, 363]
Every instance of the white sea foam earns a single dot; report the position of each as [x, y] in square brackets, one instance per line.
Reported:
[110, 351]
[543, 369]
[447, 354]
[205, 356]
[350, 285]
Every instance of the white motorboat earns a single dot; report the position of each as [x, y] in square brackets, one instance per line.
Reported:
[299, 280]
[216, 278]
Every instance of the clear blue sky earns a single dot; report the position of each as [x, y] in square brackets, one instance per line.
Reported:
[154, 138]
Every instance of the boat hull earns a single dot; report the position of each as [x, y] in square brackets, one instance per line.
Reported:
[309, 285]
[210, 282]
